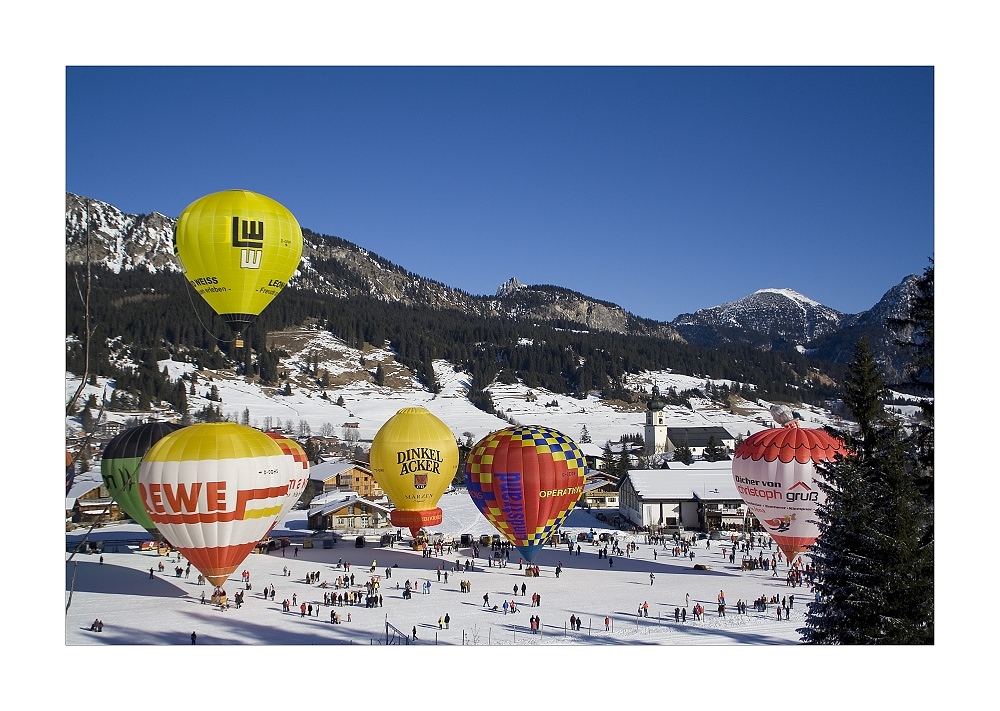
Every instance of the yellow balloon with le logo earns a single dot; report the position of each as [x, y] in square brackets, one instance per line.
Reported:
[238, 250]
[414, 458]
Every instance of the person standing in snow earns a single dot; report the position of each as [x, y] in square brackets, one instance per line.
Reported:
[194, 638]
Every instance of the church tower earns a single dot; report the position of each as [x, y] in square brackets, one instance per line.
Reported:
[656, 425]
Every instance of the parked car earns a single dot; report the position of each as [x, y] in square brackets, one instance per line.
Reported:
[601, 517]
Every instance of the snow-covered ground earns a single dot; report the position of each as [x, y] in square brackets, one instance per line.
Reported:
[753, 656]
[370, 406]
[166, 609]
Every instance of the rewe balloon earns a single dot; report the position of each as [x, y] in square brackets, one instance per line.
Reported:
[238, 250]
[120, 468]
[214, 490]
[775, 473]
[300, 473]
[414, 458]
[526, 480]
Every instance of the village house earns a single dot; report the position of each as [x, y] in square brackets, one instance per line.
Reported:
[701, 496]
[346, 511]
[345, 475]
[88, 501]
[698, 438]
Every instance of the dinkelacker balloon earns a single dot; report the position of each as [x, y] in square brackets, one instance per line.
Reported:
[214, 490]
[775, 473]
[414, 458]
[120, 468]
[300, 473]
[526, 480]
[238, 250]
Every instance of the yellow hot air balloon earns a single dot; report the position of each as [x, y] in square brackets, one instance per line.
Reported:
[414, 458]
[238, 250]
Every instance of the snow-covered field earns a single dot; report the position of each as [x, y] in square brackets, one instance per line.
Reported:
[370, 406]
[755, 656]
[140, 610]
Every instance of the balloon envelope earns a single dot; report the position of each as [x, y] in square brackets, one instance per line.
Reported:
[414, 458]
[775, 473]
[238, 250]
[300, 473]
[526, 480]
[120, 467]
[214, 490]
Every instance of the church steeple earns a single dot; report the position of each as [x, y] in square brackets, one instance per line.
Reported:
[656, 425]
[655, 402]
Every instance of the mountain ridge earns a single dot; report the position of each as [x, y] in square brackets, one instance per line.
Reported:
[770, 318]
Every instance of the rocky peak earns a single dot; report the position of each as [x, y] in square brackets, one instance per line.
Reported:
[509, 287]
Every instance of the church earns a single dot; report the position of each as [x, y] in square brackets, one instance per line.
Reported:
[660, 441]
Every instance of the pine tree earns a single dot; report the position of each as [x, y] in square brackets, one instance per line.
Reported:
[874, 561]
[609, 464]
[683, 453]
[714, 452]
[585, 435]
[626, 459]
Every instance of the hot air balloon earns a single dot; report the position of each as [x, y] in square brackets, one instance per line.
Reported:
[238, 250]
[526, 480]
[120, 468]
[214, 490]
[414, 458]
[775, 473]
[300, 473]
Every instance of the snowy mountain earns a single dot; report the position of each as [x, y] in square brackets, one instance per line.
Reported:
[769, 319]
[765, 315]
[337, 268]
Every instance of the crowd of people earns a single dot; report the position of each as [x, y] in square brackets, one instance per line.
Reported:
[343, 589]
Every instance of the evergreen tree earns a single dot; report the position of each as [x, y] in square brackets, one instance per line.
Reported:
[626, 459]
[87, 419]
[714, 452]
[874, 560]
[609, 465]
[379, 375]
[585, 435]
[917, 332]
[312, 450]
[683, 454]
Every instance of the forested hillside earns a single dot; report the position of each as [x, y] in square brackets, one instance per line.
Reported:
[139, 317]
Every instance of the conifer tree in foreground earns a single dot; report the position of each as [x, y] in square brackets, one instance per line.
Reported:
[874, 559]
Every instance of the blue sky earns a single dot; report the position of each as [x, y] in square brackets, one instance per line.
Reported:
[661, 189]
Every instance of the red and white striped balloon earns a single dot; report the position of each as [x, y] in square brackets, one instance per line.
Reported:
[214, 490]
